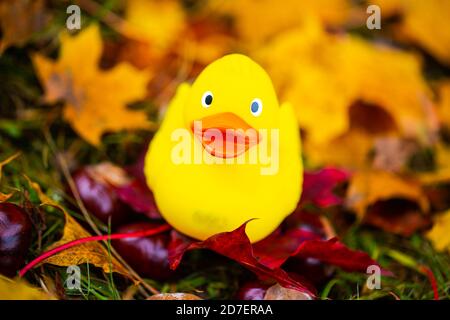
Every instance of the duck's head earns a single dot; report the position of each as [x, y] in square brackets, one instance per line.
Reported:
[232, 95]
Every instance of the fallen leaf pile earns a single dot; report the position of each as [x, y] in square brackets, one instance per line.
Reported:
[259, 258]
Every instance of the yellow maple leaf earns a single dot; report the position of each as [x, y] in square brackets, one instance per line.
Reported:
[258, 20]
[90, 252]
[370, 186]
[95, 100]
[156, 22]
[18, 289]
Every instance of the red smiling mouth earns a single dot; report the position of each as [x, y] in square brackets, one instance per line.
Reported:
[225, 135]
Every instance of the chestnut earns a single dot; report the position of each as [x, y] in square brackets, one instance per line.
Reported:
[15, 238]
[99, 197]
[148, 256]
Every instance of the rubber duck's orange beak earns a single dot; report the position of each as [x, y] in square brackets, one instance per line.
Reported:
[225, 135]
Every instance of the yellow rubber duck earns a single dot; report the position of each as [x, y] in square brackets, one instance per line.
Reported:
[226, 152]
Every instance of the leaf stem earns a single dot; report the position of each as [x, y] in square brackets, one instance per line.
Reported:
[70, 244]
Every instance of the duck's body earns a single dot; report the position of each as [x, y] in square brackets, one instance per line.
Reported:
[207, 196]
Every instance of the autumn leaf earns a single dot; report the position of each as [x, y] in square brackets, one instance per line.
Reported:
[156, 22]
[441, 174]
[335, 253]
[393, 153]
[236, 246]
[274, 250]
[19, 19]
[90, 252]
[266, 257]
[389, 201]
[278, 247]
[349, 150]
[398, 216]
[246, 15]
[368, 187]
[444, 102]
[423, 23]
[5, 196]
[439, 235]
[318, 186]
[95, 100]
[18, 289]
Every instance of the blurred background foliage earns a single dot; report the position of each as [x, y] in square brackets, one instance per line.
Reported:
[373, 102]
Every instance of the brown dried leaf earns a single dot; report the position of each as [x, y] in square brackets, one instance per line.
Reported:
[19, 19]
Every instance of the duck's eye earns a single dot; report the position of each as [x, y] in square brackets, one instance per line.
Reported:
[207, 99]
[256, 107]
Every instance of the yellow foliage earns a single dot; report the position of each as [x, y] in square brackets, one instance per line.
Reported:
[422, 22]
[439, 235]
[6, 196]
[18, 289]
[153, 21]
[327, 73]
[444, 103]
[90, 252]
[258, 20]
[323, 74]
[95, 100]
[368, 187]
